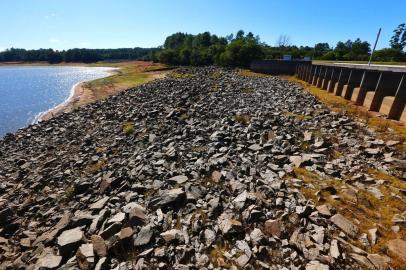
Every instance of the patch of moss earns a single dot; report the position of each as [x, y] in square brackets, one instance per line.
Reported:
[96, 167]
[244, 119]
[249, 73]
[247, 90]
[215, 74]
[67, 195]
[297, 116]
[128, 128]
[181, 75]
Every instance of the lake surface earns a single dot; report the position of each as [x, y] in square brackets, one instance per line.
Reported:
[25, 92]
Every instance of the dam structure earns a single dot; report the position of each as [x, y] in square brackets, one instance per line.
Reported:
[379, 88]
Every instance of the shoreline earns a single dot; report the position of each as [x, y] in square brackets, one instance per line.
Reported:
[76, 91]
[119, 77]
[67, 103]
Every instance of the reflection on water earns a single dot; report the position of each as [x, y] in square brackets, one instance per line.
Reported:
[27, 91]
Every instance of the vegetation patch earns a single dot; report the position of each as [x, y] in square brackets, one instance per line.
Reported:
[67, 195]
[249, 73]
[248, 90]
[181, 75]
[128, 128]
[217, 256]
[244, 119]
[300, 117]
[128, 75]
[215, 74]
[96, 167]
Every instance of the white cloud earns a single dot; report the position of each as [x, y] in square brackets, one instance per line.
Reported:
[54, 40]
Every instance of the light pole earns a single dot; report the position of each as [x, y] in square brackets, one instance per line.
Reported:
[376, 41]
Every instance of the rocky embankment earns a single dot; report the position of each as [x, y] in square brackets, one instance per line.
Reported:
[195, 171]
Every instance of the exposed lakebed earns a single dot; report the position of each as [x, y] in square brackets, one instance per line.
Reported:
[26, 91]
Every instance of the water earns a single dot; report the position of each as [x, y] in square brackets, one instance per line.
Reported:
[25, 92]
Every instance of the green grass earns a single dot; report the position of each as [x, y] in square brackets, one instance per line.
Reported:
[178, 75]
[128, 75]
[128, 128]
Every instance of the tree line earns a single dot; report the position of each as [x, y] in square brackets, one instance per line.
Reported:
[73, 55]
[241, 49]
[207, 49]
[233, 50]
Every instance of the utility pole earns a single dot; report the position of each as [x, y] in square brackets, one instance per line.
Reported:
[376, 41]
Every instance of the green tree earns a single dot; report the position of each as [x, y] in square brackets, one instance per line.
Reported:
[320, 49]
[342, 49]
[360, 50]
[398, 40]
[168, 56]
[389, 54]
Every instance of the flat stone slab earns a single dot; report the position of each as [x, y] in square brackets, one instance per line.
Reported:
[345, 225]
[397, 248]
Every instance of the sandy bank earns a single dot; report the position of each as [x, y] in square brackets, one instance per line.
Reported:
[66, 106]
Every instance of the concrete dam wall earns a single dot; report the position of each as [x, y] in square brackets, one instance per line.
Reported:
[379, 88]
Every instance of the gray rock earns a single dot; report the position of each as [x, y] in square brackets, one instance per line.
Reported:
[144, 236]
[172, 235]
[362, 260]
[209, 236]
[397, 248]
[316, 265]
[70, 239]
[344, 224]
[137, 216]
[55, 230]
[99, 204]
[296, 160]
[239, 201]
[117, 218]
[334, 250]
[381, 262]
[324, 210]
[230, 226]
[376, 192]
[168, 198]
[179, 179]
[307, 136]
[85, 256]
[255, 147]
[49, 261]
[318, 235]
[257, 237]
[373, 235]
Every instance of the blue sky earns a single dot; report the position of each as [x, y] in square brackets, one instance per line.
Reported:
[63, 24]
